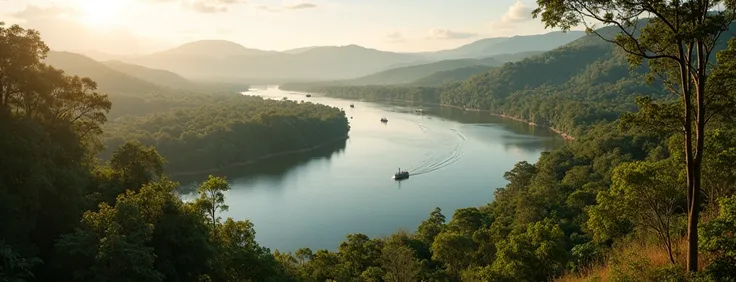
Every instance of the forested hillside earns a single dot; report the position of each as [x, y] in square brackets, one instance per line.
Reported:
[606, 207]
[67, 217]
[449, 76]
[567, 88]
[160, 77]
[207, 134]
[617, 204]
[411, 73]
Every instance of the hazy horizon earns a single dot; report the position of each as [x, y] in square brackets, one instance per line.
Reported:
[104, 26]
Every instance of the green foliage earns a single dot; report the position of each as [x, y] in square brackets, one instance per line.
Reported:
[212, 131]
[15, 268]
[212, 200]
[430, 228]
[718, 237]
[643, 194]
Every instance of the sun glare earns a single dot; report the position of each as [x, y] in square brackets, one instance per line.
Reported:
[99, 13]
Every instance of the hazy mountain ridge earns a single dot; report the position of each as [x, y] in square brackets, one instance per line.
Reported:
[107, 78]
[156, 76]
[213, 59]
[509, 45]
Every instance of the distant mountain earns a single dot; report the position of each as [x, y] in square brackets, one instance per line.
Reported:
[215, 48]
[447, 76]
[508, 45]
[412, 73]
[108, 79]
[516, 56]
[319, 63]
[436, 73]
[102, 56]
[161, 77]
[300, 50]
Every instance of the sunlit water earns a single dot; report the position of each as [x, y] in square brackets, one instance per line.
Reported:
[456, 159]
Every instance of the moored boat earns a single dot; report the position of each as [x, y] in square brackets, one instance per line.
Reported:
[384, 119]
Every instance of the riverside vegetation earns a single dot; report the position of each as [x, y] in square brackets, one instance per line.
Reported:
[575, 214]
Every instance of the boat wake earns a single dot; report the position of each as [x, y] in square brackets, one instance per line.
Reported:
[437, 162]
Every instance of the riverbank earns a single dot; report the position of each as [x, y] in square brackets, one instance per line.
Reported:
[257, 160]
[562, 134]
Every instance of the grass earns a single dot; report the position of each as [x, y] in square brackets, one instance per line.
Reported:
[634, 259]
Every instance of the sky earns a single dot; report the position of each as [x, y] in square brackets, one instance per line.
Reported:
[144, 26]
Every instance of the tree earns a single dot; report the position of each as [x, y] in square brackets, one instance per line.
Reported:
[718, 238]
[114, 243]
[240, 258]
[358, 253]
[648, 194]
[453, 249]
[303, 255]
[134, 165]
[212, 200]
[400, 264]
[677, 41]
[23, 52]
[429, 228]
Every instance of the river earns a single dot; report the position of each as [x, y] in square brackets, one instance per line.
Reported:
[456, 160]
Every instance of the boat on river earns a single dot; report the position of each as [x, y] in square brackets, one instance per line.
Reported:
[352, 106]
[309, 95]
[401, 175]
[384, 120]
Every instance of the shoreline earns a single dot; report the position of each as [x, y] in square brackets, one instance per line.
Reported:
[256, 160]
[561, 133]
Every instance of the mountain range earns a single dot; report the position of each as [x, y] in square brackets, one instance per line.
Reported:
[220, 60]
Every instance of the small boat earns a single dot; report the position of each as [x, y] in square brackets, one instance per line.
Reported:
[352, 106]
[309, 95]
[401, 175]
[384, 119]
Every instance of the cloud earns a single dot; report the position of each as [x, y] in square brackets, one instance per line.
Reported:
[35, 12]
[205, 8]
[395, 36]
[449, 34]
[270, 9]
[276, 9]
[201, 6]
[300, 6]
[517, 13]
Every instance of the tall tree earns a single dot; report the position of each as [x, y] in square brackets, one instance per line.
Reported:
[212, 200]
[677, 39]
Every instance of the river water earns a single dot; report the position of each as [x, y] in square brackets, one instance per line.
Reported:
[456, 160]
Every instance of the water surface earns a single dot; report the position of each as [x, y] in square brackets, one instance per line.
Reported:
[456, 159]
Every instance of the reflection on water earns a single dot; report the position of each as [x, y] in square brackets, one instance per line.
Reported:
[273, 169]
[456, 159]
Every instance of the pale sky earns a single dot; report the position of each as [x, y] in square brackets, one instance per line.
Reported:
[143, 26]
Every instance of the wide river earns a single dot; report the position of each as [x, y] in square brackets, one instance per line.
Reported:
[456, 160]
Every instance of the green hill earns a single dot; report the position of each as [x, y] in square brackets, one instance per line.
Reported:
[448, 76]
[557, 88]
[412, 73]
[161, 77]
[108, 79]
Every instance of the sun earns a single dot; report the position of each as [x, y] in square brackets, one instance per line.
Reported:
[99, 14]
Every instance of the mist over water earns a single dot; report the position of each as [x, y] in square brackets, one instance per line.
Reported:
[456, 159]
